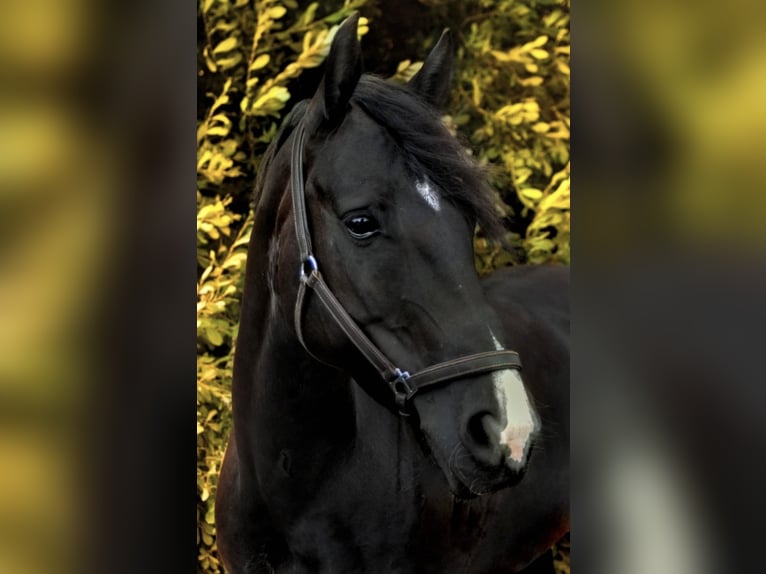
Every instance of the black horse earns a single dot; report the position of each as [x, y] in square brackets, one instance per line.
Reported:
[341, 461]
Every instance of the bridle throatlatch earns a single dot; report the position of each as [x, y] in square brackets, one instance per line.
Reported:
[403, 384]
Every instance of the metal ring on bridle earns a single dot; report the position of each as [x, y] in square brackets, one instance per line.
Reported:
[311, 262]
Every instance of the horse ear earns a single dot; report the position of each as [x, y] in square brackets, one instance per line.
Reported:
[343, 68]
[434, 80]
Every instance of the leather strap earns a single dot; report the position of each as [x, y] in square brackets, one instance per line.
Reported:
[403, 385]
[378, 360]
[475, 364]
[300, 216]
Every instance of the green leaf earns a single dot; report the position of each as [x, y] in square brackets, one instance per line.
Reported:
[532, 81]
[210, 515]
[308, 15]
[235, 261]
[476, 92]
[537, 42]
[227, 45]
[218, 131]
[215, 338]
[276, 12]
[228, 63]
[531, 193]
[260, 62]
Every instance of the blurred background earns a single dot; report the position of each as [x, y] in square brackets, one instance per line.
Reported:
[668, 285]
[57, 213]
[95, 219]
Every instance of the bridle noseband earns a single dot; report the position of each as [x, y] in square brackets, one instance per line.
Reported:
[403, 385]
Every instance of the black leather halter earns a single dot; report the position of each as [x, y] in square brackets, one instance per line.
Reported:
[403, 385]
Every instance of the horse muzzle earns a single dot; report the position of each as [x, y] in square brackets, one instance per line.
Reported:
[486, 443]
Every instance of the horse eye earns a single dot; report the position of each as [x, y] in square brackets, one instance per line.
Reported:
[361, 226]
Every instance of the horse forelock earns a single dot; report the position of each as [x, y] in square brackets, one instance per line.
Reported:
[429, 149]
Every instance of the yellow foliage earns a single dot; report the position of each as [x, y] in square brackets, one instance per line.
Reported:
[513, 98]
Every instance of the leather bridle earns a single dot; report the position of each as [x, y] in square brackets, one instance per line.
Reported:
[403, 384]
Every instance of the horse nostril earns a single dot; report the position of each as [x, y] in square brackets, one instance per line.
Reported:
[499, 453]
[477, 430]
[482, 439]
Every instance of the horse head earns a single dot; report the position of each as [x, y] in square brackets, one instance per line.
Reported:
[392, 202]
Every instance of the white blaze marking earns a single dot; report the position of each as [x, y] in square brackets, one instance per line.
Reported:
[427, 193]
[514, 404]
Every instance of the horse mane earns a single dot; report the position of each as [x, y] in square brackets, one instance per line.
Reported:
[290, 122]
[425, 142]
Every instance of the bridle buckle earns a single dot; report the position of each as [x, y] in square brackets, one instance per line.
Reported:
[401, 388]
[309, 263]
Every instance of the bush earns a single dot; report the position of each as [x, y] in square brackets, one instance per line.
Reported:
[256, 59]
[512, 101]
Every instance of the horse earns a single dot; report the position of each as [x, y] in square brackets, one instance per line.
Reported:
[391, 411]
